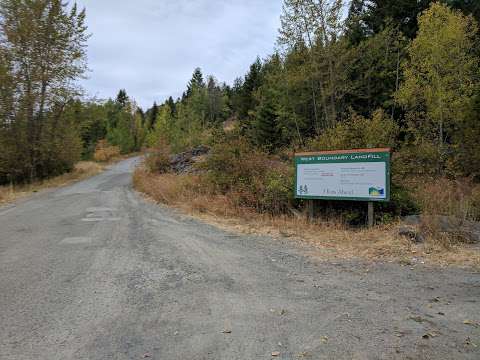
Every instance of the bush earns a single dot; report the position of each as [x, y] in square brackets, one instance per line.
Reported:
[415, 159]
[278, 195]
[358, 132]
[250, 177]
[157, 159]
[475, 203]
[402, 203]
[105, 152]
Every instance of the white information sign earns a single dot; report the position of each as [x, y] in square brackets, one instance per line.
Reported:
[351, 176]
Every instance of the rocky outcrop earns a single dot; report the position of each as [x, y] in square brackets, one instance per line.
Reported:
[184, 162]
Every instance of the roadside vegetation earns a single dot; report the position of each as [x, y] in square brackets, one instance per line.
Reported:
[81, 170]
[47, 125]
[406, 79]
[399, 74]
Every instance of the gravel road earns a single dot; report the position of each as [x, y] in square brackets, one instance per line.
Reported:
[92, 271]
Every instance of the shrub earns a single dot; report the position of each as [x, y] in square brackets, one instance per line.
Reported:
[475, 203]
[157, 159]
[358, 132]
[249, 177]
[402, 203]
[105, 152]
[278, 195]
[415, 159]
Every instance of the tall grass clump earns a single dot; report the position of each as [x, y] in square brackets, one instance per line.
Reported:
[105, 152]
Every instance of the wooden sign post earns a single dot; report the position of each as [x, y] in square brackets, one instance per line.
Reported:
[371, 215]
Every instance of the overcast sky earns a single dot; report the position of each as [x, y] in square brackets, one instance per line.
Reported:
[151, 47]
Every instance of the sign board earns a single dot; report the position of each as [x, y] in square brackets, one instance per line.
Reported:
[360, 175]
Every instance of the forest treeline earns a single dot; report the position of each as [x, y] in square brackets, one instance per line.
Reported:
[364, 73]
[402, 74]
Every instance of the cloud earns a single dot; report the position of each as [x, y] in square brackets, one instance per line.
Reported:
[151, 47]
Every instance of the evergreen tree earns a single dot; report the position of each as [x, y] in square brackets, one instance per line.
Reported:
[252, 81]
[466, 142]
[152, 116]
[402, 13]
[236, 96]
[217, 102]
[265, 129]
[355, 30]
[172, 106]
[374, 72]
[122, 98]
[196, 82]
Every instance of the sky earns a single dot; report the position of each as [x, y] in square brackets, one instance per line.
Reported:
[151, 47]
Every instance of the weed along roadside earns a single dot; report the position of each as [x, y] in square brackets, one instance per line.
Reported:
[229, 185]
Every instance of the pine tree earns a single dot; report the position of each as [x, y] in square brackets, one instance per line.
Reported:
[122, 98]
[152, 116]
[196, 82]
[217, 102]
[374, 72]
[253, 80]
[355, 28]
[172, 106]
[402, 13]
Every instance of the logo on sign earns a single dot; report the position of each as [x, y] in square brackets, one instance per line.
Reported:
[303, 190]
[376, 191]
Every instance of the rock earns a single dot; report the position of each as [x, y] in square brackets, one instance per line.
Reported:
[464, 230]
[183, 163]
[200, 150]
[412, 220]
[411, 233]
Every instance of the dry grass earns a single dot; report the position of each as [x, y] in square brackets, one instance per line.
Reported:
[331, 238]
[459, 198]
[82, 170]
[447, 204]
[105, 152]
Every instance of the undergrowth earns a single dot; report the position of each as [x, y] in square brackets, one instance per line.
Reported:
[82, 170]
[332, 236]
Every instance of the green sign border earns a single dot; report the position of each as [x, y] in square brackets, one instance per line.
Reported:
[342, 157]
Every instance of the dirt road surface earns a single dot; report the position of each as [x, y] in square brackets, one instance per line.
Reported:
[92, 271]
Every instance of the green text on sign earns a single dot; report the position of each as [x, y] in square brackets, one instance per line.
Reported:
[361, 175]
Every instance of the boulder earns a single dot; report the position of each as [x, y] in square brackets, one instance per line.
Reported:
[411, 233]
[412, 220]
[464, 230]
